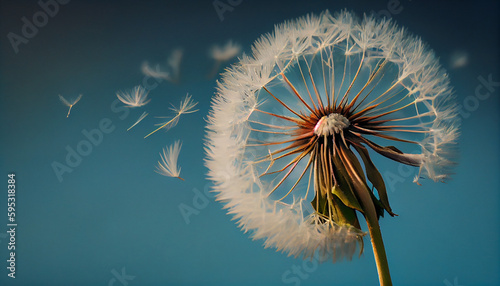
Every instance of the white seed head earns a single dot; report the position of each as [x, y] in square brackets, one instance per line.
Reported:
[413, 90]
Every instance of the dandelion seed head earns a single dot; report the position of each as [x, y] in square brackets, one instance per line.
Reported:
[291, 123]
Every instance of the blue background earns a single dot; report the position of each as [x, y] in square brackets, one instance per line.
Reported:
[113, 212]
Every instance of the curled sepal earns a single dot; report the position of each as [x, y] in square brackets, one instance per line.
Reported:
[347, 197]
[331, 208]
[394, 153]
[375, 178]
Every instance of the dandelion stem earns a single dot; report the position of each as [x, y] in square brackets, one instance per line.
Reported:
[376, 239]
[378, 247]
[371, 217]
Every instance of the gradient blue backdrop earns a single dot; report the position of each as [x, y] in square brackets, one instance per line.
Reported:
[113, 212]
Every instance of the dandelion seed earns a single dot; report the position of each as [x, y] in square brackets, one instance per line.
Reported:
[168, 165]
[459, 59]
[223, 54]
[138, 120]
[171, 123]
[226, 52]
[174, 63]
[296, 169]
[155, 72]
[173, 68]
[70, 104]
[187, 106]
[135, 97]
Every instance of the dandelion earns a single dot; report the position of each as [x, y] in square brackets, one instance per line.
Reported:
[135, 97]
[168, 166]
[223, 54]
[143, 115]
[70, 104]
[187, 106]
[293, 128]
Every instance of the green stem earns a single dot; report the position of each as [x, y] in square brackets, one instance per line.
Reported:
[370, 213]
[378, 250]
